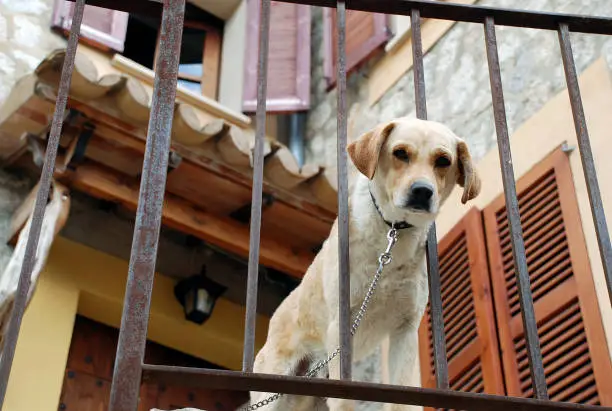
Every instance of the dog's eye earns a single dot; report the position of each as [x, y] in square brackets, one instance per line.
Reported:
[443, 162]
[401, 154]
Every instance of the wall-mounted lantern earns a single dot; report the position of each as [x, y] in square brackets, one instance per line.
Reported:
[198, 295]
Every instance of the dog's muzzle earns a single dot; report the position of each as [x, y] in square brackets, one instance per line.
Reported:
[420, 196]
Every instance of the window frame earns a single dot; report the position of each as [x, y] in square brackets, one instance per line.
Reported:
[211, 58]
[61, 21]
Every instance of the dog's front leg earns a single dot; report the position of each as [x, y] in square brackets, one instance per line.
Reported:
[403, 347]
[332, 343]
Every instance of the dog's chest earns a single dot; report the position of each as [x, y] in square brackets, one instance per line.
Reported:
[402, 289]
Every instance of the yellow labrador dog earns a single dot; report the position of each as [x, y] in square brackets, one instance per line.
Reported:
[407, 169]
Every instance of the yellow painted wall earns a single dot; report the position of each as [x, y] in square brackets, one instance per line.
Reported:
[541, 134]
[40, 358]
[78, 279]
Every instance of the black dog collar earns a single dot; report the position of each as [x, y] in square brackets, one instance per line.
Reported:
[398, 225]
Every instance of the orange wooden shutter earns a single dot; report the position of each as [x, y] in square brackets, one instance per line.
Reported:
[576, 359]
[101, 27]
[469, 321]
[365, 33]
[288, 58]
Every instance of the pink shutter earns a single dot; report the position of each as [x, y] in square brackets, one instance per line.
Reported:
[102, 27]
[365, 34]
[288, 61]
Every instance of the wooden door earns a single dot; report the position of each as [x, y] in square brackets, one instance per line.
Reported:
[469, 320]
[576, 359]
[89, 375]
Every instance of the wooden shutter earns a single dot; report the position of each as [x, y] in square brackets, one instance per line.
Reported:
[365, 33]
[576, 359]
[288, 59]
[469, 321]
[101, 27]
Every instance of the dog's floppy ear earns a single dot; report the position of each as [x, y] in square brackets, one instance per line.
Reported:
[365, 150]
[467, 177]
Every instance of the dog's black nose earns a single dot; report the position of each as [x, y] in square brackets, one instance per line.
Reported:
[420, 196]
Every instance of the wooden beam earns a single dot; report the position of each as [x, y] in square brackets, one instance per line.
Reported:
[179, 214]
[23, 212]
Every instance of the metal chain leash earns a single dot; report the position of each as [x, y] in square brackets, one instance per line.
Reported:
[383, 260]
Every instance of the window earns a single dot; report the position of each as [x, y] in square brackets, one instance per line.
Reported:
[486, 355]
[288, 61]
[136, 37]
[101, 27]
[200, 58]
[400, 30]
[366, 33]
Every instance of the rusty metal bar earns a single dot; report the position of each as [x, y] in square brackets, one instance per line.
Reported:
[38, 214]
[514, 220]
[586, 154]
[135, 317]
[360, 391]
[248, 354]
[475, 14]
[433, 266]
[344, 279]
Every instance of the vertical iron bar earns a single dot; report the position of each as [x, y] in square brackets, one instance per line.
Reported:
[435, 292]
[256, 201]
[29, 259]
[586, 155]
[344, 280]
[135, 317]
[514, 219]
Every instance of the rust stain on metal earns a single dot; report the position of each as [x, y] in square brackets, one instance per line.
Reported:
[133, 334]
[514, 220]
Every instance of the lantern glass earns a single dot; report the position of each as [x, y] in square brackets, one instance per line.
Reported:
[198, 295]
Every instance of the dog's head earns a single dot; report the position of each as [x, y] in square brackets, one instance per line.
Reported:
[414, 165]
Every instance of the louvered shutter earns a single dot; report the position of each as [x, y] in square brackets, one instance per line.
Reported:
[288, 59]
[469, 321]
[101, 27]
[576, 360]
[365, 33]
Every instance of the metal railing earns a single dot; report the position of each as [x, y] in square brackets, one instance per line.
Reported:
[130, 369]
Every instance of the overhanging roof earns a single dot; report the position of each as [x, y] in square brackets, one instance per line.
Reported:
[209, 190]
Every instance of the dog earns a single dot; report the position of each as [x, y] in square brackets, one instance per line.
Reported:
[407, 168]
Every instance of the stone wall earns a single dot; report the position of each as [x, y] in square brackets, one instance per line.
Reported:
[25, 39]
[457, 79]
[458, 90]
[13, 190]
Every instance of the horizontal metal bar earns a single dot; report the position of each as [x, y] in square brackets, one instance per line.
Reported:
[318, 387]
[152, 8]
[475, 14]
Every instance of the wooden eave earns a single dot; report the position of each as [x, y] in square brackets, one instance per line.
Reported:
[208, 186]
